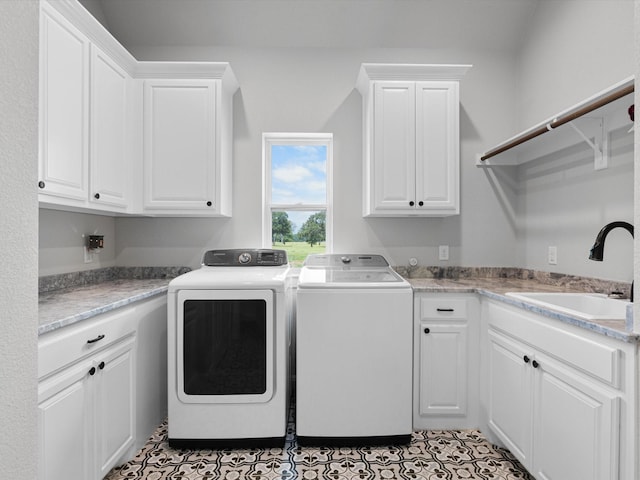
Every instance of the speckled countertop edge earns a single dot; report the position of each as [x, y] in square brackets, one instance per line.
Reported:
[67, 306]
[70, 298]
[60, 309]
[496, 288]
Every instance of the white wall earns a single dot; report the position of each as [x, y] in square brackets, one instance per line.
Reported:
[62, 241]
[509, 216]
[18, 236]
[574, 50]
[636, 261]
[313, 90]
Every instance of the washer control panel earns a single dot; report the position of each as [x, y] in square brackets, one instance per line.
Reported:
[346, 260]
[245, 258]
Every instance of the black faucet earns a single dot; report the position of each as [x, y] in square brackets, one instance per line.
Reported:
[597, 251]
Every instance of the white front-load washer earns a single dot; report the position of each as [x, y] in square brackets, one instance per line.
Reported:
[354, 352]
[228, 351]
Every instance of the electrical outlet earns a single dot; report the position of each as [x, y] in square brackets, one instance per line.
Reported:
[88, 255]
[552, 255]
[443, 252]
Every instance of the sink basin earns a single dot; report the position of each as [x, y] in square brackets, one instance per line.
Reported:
[588, 306]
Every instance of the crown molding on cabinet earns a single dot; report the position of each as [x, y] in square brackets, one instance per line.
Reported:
[102, 38]
[97, 34]
[191, 70]
[407, 72]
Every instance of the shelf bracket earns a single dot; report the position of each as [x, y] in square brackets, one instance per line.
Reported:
[599, 144]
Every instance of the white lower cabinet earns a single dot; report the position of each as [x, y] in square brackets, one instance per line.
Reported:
[560, 418]
[102, 390]
[577, 418]
[86, 415]
[64, 413]
[86, 396]
[445, 372]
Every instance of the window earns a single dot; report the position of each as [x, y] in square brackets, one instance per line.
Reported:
[297, 213]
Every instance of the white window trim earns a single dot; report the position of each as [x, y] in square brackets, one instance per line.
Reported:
[270, 139]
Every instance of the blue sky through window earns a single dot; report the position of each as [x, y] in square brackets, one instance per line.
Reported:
[299, 177]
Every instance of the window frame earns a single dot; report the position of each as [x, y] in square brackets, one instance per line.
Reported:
[295, 139]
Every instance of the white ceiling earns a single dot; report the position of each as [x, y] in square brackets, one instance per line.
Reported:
[435, 24]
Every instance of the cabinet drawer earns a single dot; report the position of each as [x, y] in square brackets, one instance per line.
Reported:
[69, 344]
[599, 360]
[442, 309]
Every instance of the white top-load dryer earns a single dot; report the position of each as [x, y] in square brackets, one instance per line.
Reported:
[354, 352]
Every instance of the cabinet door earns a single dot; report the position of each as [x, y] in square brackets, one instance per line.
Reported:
[115, 405]
[109, 166]
[437, 147]
[394, 146]
[443, 369]
[64, 108]
[510, 393]
[180, 145]
[576, 427]
[64, 425]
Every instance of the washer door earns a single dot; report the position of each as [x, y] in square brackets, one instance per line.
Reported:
[225, 346]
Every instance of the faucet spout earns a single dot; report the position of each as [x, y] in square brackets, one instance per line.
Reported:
[597, 251]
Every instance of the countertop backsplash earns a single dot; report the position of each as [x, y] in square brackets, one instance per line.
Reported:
[569, 282]
[99, 275]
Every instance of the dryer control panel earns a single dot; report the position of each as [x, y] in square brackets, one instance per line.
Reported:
[245, 258]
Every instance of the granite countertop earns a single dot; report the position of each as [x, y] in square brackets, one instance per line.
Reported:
[496, 288]
[70, 298]
[65, 307]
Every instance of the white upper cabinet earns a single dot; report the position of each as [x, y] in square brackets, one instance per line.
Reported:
[411, 139]
[187, 143]
[110, 163]
[118, 136]
[84, 118]
[64, 109]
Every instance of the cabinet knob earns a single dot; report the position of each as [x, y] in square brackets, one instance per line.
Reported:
[426, 330]
[97, 196]
[209, 204]
[101, 365]
[411, 203]
[92, 371]
[421, 203]
[526, 359]
[41, 184]
[535, 364]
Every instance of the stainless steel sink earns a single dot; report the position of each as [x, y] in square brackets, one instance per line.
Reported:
[587, 306]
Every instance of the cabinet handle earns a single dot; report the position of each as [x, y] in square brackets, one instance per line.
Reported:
[41, 184]
[209, 204]
[97, 339]
[97, 196]
[526, 359]
[535, 364]
[421, 203]
[101, 365]
[426, 330]
[411, 203]
[445, 310]
[92, 371]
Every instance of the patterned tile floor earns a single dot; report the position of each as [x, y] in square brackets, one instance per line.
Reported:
[431, 455]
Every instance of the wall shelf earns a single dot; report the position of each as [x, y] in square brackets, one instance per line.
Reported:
[589, 121]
